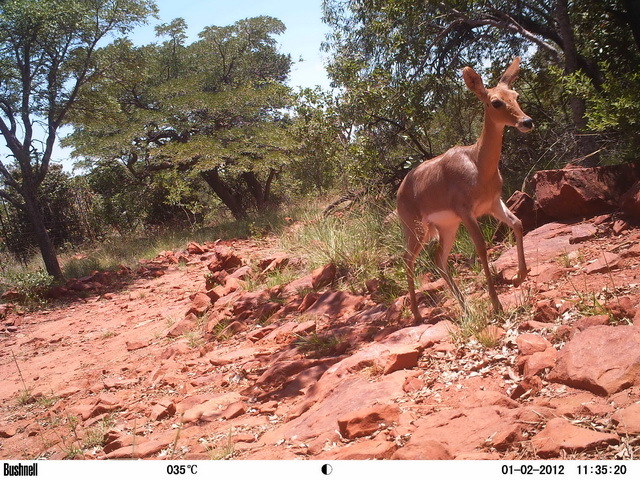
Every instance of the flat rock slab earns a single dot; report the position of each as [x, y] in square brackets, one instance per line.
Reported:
[541, 245]
[332, 399]
[601, 359]
[559, 435]
[461, 431]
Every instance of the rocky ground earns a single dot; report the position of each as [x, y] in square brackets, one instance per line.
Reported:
[193, 357]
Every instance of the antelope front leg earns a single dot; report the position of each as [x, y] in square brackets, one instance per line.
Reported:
[481, 248]
[502, 213]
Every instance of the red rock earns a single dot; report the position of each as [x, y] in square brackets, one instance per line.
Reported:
[298, 285]
[627, 420]
[96, 406]
[604, 263]
[528, 387]
[336, 304]
[207, 409]
[487, 398]
[196, 249]
[178, 348]
[225, 259]
[242, 273]
[212, 279]
[440, 332]
[490, 334]
[308, 300]
[260, 333]
[234, 410]
[623, 307]
[527, 210]
[323, 276]
[404, 336]
[630, 202]
[54, 293]
[330, 398]
[281, 334]
[619, 226]
[539, 361]
[530, 343]
[535, 325]
[305, 328]
[545, 311]
[368, 420]
[115, 440]
[544, 243]
[162, 410]
[601, 359]
[413, 384]
[465, 430]
[8, 431]
[266, 310]
[281, 371]
[401, 358]
[582, 232]
[135, 345]
[367, 356]
[366, 450]
[182, 326]
[304, 380]
[582, 192]
[274, 263]
[561, 436]
[250, 301]
[422, 449]
[588, 322]
[200, 303]
[232, 329]
[576, 404]
[140, 450]
[77, 285]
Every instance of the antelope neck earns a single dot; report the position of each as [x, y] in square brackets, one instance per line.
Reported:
[489, 147]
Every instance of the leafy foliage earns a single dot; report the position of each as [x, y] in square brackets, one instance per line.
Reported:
[214, 110]
[47, 55]
[397, 64]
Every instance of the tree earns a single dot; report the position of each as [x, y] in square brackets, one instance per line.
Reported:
[47, 55]
[404, 54]
[214, 110]
[67, 203]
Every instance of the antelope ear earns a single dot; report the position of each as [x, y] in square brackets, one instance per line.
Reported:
[474, 82]
[511, 73]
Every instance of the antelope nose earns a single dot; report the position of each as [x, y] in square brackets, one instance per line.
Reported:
[527, 123]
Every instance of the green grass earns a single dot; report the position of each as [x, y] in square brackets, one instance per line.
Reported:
[317, 345]
[112, 252]
[474, 322]
[360, 243]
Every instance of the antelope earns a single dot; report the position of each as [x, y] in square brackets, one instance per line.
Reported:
[460, 186]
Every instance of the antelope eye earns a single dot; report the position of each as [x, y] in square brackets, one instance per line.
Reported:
[497, 103]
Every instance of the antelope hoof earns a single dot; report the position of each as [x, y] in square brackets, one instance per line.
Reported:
[521, 277]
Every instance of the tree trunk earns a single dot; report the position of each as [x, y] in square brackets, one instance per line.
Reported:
[586, 145]
[47, 249]
[632, 10]
[260, 194]
[222, 190]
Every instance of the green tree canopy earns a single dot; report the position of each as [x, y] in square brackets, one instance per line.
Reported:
[398, 62]
[216, 109]
[48, 53]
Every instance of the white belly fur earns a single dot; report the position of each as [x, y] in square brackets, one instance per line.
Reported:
[443, 217]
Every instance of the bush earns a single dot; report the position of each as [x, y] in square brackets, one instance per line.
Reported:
[29, 287]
